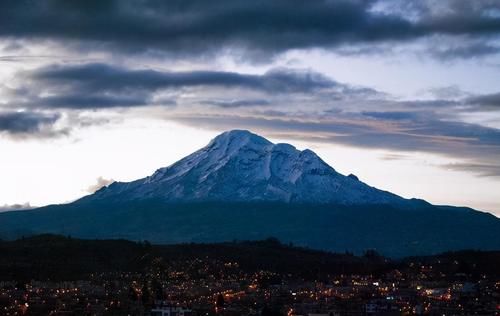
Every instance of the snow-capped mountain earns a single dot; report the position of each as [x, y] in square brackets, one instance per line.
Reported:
[241, 186]
[241, 166]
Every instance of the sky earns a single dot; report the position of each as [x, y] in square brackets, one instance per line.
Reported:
[404, 94]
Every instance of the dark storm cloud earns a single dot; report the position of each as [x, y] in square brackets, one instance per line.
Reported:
[104, 77]
[26, 123]
[265, 27]
[98, 86]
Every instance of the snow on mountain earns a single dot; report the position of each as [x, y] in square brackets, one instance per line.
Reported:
[239, 166]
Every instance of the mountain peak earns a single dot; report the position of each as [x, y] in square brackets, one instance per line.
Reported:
[238, 138]
[238, 133]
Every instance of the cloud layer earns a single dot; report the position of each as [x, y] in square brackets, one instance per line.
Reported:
[260, 27]
[100, 86]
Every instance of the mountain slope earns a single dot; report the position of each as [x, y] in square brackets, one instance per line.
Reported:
[243, 187]
[392, 231]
